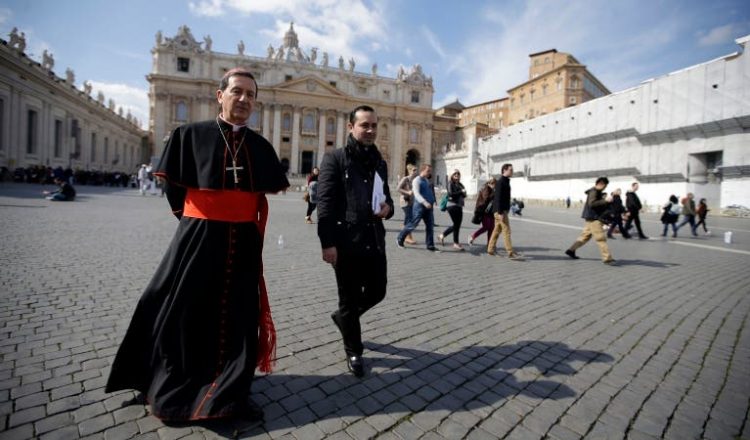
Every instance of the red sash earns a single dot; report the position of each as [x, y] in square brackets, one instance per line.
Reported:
[235, 207]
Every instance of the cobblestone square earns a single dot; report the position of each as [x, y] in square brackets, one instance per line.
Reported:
[465, 345]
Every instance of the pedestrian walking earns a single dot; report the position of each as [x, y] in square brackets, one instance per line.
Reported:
[406, 198]
[483, 211]
[670, 213]
[634, 207]
[688, 213]
[311, 195]
[593, 211]
[353, 201]
[701, 212]
[455, 208]
[617, 210]
[500, 207]
[204, 323]
[424, 203]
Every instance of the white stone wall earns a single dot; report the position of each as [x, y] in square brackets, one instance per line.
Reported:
[648, 133]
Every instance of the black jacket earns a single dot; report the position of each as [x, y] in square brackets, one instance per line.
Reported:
[501, 202]
[345, 218]
[632, 202]
[596, 205]
[617, 208]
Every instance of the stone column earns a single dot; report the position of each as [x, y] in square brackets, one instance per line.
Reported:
[266, 121]
[398, 168]
[321, 136]
[340, 125]
[294, 160]
[277, 129]
[427, 144]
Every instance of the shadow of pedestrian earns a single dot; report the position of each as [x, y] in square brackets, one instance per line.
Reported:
[401, 380]
[646, 263]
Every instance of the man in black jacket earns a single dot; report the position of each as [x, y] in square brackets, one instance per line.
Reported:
[353, 200]
[593, 211]
[633, 205]
[500, 207]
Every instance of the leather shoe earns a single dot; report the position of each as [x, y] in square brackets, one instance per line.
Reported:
[356, 365]
[251, 411]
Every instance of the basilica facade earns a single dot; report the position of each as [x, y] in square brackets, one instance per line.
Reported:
[303, 101]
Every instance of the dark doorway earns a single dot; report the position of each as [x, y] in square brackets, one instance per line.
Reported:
[307, 162]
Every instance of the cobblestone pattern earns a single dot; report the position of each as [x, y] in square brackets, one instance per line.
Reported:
[464, 346]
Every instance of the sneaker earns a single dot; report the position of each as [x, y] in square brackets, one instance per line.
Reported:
[458, 247]
[610, 262]
[572, 254]
[399, 243]
[515, 256]
[708, 232]
[470, 241]
[442, 239]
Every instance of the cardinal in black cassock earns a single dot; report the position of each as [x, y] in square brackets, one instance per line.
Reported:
[203, 323]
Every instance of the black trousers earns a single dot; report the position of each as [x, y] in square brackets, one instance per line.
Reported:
[457, 215]
[635, 218]
[361, 283]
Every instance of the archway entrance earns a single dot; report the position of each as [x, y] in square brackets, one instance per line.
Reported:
[412, 157]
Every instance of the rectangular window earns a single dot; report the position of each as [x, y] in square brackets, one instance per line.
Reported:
[285, 139]
[2, 124]
[288, 77]
[333, 83]
[58, 138]
[415, 97]
[75, 133]
[106, 149]
[32, 120]
[93, 148]
[183, 64]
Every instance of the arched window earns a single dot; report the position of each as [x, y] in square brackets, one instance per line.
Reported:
[286, 122]
[330, 127]
[308, 123]
[181, 112]
[575, 82]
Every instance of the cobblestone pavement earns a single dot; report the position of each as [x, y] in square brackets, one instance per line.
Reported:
[465, 345]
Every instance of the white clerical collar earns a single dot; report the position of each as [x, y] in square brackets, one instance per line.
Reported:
[235, 128]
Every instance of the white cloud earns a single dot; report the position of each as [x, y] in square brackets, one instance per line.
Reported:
[607, 40]
[126, 96]
[347, 31]
[5, 15]
[433, 41]
[717, 35]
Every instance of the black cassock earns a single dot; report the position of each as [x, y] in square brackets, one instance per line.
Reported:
[192, 344]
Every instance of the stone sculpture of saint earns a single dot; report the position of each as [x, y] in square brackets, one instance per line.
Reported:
[324, 63]
[241, 48]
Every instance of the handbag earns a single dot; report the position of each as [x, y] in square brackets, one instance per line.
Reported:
[444, 202]
[306, 197]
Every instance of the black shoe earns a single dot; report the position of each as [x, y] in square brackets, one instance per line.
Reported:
[609, 237]
[251, 411]
[400, 243]
[643, 237]
[356, 365]
[432, 249]
[572, 254]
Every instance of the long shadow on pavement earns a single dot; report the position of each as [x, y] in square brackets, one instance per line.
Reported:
[413, 380]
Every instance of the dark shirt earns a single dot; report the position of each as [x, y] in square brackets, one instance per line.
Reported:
[501, 202]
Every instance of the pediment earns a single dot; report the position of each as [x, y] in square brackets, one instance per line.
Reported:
[310, 84]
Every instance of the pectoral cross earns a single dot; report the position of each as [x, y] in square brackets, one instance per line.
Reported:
[234, 169]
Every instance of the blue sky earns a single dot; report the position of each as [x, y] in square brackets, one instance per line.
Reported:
[474, 50]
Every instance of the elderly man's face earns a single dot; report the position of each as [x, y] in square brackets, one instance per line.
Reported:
[238, 99]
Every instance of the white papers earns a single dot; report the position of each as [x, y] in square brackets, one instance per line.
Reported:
[378, 196]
